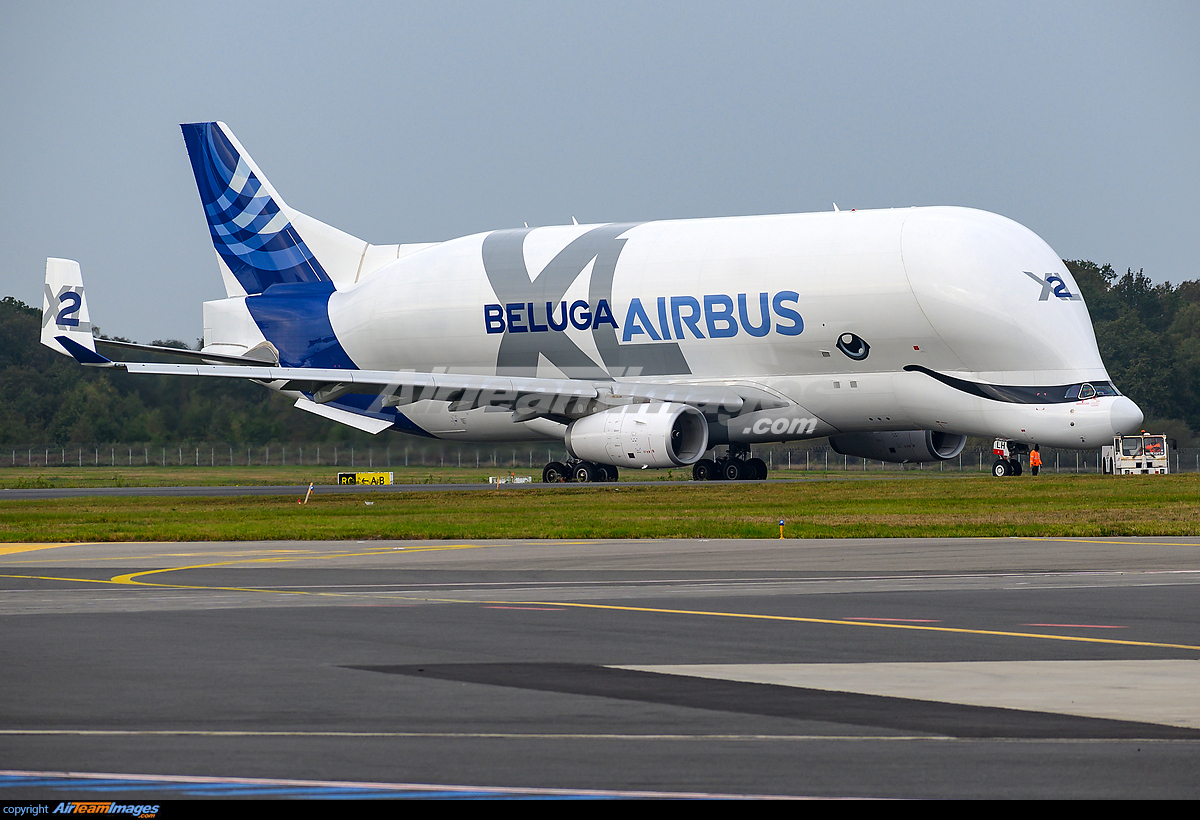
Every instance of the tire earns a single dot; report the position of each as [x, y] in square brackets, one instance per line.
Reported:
[733, 470]
[759, 469]
[611, 473]
[1001, 468]
[554, 473]
[704, 470]
[1016, 466]
[585, 473]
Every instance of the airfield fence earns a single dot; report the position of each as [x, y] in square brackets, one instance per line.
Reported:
[817, 458]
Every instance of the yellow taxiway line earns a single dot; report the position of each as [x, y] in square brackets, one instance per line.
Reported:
[131, 579]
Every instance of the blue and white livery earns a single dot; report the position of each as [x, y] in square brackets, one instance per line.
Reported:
[896, 332]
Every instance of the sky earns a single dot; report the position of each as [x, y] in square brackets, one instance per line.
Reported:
[426, 121]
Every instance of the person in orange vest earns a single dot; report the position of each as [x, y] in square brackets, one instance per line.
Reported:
[1035, 461]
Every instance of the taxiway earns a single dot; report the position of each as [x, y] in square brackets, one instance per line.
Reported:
[860, 668]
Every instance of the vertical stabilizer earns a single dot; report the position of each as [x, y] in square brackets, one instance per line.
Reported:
[64, 308]
[259, 240]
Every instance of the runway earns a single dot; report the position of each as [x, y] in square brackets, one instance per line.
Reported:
[827, 668]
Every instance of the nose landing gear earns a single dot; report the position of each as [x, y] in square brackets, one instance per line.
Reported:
[1009, 461]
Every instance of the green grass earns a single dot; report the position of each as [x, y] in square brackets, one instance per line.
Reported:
[204, 476]
[61, 477]
[912, 505]
[153, 475]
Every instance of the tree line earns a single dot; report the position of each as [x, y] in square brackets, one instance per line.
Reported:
[47, 398]
[1148, 334]
[1149, 338]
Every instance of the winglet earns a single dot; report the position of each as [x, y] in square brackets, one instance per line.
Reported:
[64, 308]
[82, 354]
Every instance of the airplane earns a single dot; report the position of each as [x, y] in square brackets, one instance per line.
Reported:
[896, 333]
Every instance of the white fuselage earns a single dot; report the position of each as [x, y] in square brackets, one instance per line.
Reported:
[746, 302]
[957, 291]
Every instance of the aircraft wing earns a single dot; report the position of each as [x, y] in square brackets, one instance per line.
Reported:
[368, 399]
[557, 399]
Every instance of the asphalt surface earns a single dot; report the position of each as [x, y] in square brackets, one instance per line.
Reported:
[835, 668]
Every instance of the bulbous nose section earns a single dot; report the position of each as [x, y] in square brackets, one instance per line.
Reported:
[1125, 417]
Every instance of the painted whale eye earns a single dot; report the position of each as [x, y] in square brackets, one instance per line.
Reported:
[853, 346]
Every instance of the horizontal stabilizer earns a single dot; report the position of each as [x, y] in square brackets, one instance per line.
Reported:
[121, 351]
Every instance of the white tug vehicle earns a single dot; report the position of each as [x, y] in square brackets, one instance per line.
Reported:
[1140, 454]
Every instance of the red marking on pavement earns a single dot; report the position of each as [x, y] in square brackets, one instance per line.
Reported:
[898, 620]
[1080, 626]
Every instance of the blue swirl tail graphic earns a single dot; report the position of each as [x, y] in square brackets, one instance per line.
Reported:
[252, 234]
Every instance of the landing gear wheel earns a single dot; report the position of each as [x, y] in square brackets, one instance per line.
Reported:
[704, 470]
[1016, 466]
[733, 470]
[585, 473]
[554, 473]
[610, 472]
[1001, 468]
[758, 468]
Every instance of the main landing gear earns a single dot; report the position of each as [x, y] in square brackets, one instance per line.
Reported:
[735, 465]
[573, 470]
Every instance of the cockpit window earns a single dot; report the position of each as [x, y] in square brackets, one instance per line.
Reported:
[1090, 390]
[1050, 394]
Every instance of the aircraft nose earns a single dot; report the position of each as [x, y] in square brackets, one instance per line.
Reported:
[1125, 416]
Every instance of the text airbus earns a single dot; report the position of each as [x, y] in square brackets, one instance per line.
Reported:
[712, 316]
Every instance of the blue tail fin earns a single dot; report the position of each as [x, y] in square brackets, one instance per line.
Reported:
[250, 230]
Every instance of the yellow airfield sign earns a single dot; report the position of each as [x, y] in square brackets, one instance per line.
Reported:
[364, 478]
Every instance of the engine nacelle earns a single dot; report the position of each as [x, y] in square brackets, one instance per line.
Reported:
[900, 446]
[658, 434]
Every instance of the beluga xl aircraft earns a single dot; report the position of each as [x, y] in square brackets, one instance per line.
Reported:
[897, 333]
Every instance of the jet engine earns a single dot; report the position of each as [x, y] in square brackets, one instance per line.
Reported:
[657, 434]
[900, 446]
